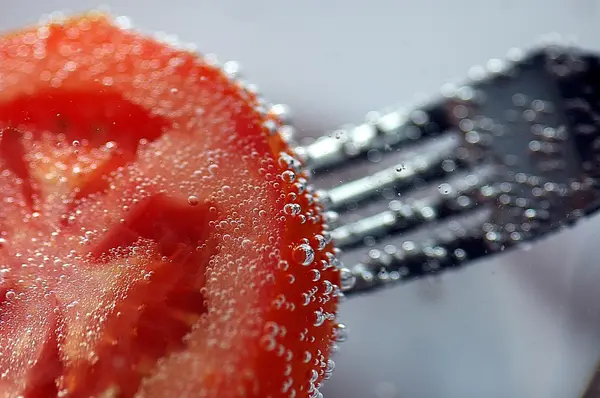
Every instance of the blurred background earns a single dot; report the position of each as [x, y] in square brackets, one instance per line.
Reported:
[525, 324]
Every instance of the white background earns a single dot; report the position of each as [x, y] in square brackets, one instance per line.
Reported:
[524, 325]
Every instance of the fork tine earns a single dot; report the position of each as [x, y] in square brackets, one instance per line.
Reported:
[423, 162]
[461, 192]
[521, 144]
[426, 251]
[388, 130]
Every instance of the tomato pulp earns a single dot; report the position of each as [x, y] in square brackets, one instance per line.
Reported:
[157, 236]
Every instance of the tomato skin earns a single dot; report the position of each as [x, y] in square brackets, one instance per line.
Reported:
[157, 223]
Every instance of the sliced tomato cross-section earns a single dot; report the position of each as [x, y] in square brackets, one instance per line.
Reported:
[157, 237]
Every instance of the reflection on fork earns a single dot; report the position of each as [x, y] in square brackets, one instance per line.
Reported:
[504, 159]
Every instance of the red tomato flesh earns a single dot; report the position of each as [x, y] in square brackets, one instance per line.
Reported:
[157, 239]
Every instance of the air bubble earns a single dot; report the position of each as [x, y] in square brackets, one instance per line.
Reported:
[348, 280]
[330, 366]
[304, 254]
[288, 176]
[340, 333]
[320, 318]
[291, 279]
[306, 298]
[283, 265]
[268, 343]
[212, 169]
[301, 185]
[314, 376]
[316, 275]
[292, 209]
[289, 162]
[307, 357]
[321, 242]
[374, 156]
[333, 260]
[332, 217]
[193, 200]
[10, 295]
[445, 188]
[328, 287]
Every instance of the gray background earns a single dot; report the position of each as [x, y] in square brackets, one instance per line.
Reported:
[524, 325]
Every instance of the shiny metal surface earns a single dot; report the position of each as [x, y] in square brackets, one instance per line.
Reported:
[518, 144]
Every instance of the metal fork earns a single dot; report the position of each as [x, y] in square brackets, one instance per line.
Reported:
[501, 160]
[506, 158]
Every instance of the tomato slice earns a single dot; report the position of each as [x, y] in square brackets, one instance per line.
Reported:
[157, 237]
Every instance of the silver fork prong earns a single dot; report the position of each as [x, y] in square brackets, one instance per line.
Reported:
[387, 130]
[460, 192]
[421, 162]
[425, 251]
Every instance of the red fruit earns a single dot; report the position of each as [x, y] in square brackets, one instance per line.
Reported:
[156, 236]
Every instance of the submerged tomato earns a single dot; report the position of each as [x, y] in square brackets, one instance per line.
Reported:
[157, 236]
